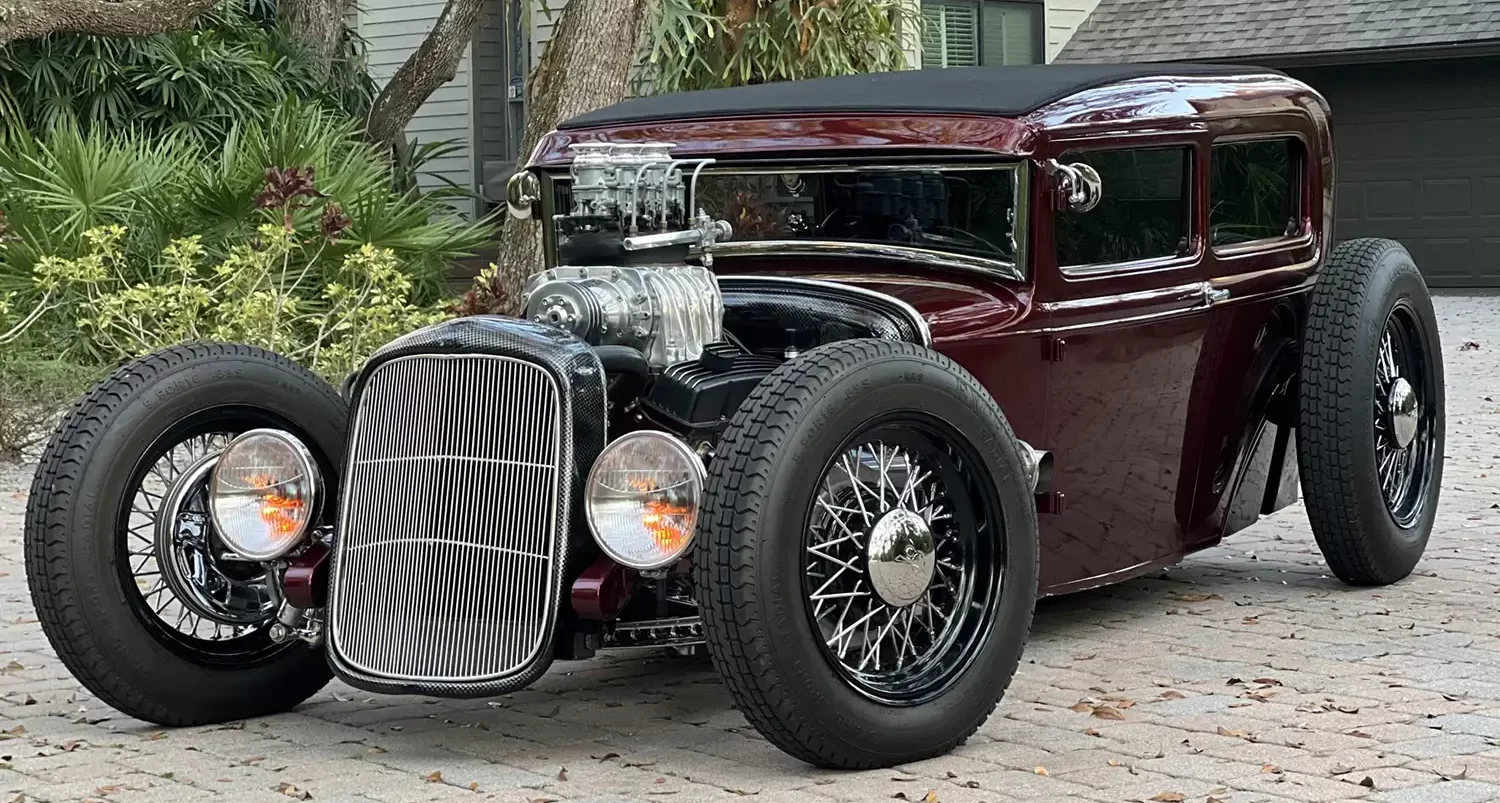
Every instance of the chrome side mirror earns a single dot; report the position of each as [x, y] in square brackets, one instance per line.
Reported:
[1079, 185]
[522, 192]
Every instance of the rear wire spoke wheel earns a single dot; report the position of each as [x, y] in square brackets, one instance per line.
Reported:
[866, 559]
[137, 594]
[1371, 416]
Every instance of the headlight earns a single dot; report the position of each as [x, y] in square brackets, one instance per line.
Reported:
[263, 493]
[642, 499]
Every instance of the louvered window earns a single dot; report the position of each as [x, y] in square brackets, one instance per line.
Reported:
[967, 33]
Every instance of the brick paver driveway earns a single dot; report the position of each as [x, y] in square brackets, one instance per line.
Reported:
[1246, 674]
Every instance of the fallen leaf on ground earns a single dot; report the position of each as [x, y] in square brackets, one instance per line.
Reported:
[1368, 782]
[1267, 681]
[474, 787]
[1082, 707]
[1341, 769]
[607, 756]
[1106, 712]
[1250, 620]
[1042, 771]
[1091, 656]
[543, 800]
[13, 666]
[19, 730]
[562, 774]
[1212, 799]
[433, 777]
[107, 790]
[1173, 694]
[1360, 735]
[1091, 732]
[293, 792]
[1270, 768]
[1114, 762]
[1168, 797]
[158, 736]
[1459, 776]
[1235, 734]
[1195, 597]
[1469, 345]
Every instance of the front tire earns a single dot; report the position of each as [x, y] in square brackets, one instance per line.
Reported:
[97, 552]
[1371, 420]
[867, 561]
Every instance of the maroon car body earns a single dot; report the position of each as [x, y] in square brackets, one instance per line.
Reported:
[1154, 385]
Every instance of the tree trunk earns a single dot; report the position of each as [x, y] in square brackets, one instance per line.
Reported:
[585, 66]
[318, 25]
[33, 19]
[433, 64]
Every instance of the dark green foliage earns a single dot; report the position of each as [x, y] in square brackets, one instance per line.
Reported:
[234, 67]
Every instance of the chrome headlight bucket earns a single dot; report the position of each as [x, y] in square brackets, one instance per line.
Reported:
[263, 494]
[643, 498]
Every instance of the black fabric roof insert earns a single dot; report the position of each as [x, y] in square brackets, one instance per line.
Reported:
[999, 91]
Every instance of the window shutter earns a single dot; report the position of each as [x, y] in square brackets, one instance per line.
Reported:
[950, 36]
[1009, 33]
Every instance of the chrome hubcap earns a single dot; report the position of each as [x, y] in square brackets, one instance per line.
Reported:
[901, 557]
[1402, 403]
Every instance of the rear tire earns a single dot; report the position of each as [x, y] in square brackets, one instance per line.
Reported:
[768, 553]
[82, 547]
[1371, 342]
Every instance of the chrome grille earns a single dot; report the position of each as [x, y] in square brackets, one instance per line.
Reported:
[444, 567]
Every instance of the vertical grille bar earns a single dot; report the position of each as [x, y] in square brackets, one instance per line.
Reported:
[449, 537]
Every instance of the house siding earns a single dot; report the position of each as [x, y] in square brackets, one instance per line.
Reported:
[394, 29]
[1063, 19]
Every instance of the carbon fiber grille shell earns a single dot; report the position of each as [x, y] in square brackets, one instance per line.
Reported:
[574, 370]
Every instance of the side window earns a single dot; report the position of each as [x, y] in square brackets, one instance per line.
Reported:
[1253, 191]
[1144, 212]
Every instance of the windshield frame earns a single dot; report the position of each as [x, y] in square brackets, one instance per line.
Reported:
[992, 267]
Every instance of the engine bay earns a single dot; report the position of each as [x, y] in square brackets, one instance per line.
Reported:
[682, 345]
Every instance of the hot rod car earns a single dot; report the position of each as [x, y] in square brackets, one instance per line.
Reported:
[835, 377]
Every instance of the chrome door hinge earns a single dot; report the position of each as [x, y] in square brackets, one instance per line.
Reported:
[1053, 348]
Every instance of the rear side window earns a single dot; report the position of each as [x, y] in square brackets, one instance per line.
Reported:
[1253, 191]
[1143, 214]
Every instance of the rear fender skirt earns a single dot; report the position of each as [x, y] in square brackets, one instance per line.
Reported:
[1267, 459]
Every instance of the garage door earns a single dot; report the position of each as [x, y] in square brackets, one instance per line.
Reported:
[1418, 152]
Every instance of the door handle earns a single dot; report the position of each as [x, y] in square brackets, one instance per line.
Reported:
[1215, 295]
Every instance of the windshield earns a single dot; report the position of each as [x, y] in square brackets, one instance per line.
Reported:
[968, 210]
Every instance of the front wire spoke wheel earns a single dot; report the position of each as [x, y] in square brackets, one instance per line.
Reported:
[186, 582]
[897, 577]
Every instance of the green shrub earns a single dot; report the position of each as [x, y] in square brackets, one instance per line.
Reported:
[234, 66]
[33, 391]
[693, 44]
[304, 167]
[260, 293]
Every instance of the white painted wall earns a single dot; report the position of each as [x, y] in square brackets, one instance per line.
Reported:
[1063, 18]
[395, 28]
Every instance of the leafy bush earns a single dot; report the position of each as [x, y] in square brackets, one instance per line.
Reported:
[234, 66]
[695, 44]
[259, 293]
[161, 191]
[33, 391]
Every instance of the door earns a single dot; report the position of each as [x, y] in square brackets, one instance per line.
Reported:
[1128, 315]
